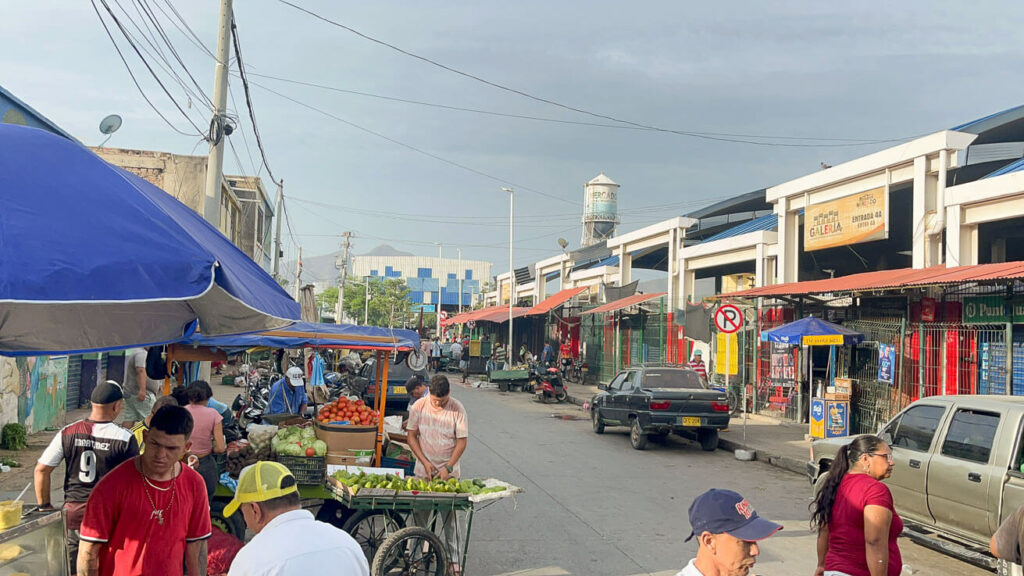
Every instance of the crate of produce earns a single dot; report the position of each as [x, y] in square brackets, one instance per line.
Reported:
[310, 471]
[408, 466]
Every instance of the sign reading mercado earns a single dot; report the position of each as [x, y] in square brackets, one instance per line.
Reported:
[849, 220]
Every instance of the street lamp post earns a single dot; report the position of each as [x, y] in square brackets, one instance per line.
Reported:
[437, 308]
[511, 276]
[366, 301]
[457, 274]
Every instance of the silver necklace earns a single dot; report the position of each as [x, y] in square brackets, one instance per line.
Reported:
[158, 513]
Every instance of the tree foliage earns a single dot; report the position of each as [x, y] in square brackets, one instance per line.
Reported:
[389, 302]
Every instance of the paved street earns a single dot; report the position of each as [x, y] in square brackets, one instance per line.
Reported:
[594, 506]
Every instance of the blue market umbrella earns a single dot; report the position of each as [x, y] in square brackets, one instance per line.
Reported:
[813, 331]
[93, 257]
[313, 334]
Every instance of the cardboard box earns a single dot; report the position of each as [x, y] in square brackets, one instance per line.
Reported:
[399, 451]
[343, 439]
[360, 458]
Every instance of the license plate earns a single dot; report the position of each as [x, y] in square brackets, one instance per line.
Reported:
[691, 421]
[398, 390]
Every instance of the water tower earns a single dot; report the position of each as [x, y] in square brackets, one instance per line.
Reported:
[600, 210]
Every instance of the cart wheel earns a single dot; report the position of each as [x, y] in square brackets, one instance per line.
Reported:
[233, 525]
[334, 513]
[371, 528]
[412, 551]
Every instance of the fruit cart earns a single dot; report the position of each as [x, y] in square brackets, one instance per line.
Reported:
[398, 525]
[511, 379]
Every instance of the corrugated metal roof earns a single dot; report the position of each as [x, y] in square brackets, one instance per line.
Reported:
[986, 122]
[552, 302]
[624, 302]
[766, 222]
[889, 279]
[489, 314]
[1011, 167]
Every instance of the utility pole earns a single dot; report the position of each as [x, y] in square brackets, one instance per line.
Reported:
[511, 270]
[459, 274]
[440, 278]
[279, 213]
[215, 161]
[298, 275]
[342, 278]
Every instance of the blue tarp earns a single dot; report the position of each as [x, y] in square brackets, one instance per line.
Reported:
[93, 258]
[311, 334]
[794, 332]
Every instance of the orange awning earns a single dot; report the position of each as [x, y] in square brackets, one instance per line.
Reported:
[552, 302]
[624, 303]
[889, 279]
[499, 314]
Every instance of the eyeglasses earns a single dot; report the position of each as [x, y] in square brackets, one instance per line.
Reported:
[886, 455]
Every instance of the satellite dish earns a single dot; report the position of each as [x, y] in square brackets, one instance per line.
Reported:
[563, 243]
[108, 126]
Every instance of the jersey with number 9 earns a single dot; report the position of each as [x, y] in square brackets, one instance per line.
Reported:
[89, 450]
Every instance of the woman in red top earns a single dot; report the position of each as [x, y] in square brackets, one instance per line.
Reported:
[853, 513]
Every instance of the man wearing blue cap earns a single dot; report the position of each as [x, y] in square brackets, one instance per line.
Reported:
[728, 531]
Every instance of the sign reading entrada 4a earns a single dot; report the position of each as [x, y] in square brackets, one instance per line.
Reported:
[848, 220]
[990, 310]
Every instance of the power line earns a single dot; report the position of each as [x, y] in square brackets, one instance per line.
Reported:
[187, 31]
[256, 171]
[135, 80]
[721, 137]
[248, 99]
[845, 141]
[413, 148]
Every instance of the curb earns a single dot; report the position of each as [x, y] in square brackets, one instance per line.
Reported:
[784, 462]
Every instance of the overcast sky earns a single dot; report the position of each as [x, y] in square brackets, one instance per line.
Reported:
[864, 70]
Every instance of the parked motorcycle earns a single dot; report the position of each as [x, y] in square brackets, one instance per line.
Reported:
[547, 385]
[250, 405]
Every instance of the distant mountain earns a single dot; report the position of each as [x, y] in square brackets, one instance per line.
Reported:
[386, 250]
[317, 269]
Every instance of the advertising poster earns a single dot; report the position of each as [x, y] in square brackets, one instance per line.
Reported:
[886, 362]
[848, 220]
[783, 367]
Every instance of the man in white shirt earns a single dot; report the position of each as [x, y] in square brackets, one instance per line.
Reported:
[288, 541]
[728, 531]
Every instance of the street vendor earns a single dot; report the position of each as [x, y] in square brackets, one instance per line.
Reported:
[288, 395]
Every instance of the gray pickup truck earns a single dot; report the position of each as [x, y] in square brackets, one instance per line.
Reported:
[957, 474]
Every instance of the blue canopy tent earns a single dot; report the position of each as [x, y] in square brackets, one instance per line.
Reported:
[813, 331]
[95, 258]
[313, 335]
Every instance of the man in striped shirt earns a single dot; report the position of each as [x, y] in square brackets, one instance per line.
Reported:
[697, 365]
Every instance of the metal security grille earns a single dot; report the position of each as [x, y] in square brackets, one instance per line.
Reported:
[617, 339]
[74, 381]
[873, 401]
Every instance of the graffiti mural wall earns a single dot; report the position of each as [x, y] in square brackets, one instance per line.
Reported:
[33, 391]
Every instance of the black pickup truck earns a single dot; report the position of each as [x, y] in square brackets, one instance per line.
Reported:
[656, 401]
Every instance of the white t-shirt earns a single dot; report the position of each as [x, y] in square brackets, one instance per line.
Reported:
[690, 570]
[294, 544]
[457, 351]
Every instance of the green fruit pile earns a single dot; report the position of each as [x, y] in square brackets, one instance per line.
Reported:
[363, 480]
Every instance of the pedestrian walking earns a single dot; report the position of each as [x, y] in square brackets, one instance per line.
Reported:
[697, 365]
[89, 449]
[435, 354]
[207, 434]
[287, 541]
[139, 391]
[464, 362]
[438, 432]
[854, 515]
[151, 511]
[455, 353]
[547, 356]
[728, 531]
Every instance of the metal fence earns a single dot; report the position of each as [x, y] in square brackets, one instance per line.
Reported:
[617, 340]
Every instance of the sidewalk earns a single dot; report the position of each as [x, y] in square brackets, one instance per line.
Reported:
[775, 442]
[12, 482]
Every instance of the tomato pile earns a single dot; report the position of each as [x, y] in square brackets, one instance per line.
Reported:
[357, 412]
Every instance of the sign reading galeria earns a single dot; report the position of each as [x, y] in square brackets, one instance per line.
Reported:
[990, 310]
[849, 220]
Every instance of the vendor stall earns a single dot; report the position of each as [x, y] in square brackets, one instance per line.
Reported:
[829, 409]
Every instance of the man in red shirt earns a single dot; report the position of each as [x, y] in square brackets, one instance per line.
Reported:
[150, 511]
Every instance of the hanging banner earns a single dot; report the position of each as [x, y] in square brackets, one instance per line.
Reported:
[783, 367]
[849, 220]
[727, 342]
[886, 362]
[990, 310]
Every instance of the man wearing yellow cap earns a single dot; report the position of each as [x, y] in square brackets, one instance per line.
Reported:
[288, 541]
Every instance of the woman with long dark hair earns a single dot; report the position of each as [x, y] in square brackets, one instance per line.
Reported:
[207, 434]
[854, 516]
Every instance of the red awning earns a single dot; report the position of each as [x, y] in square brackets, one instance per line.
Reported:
[889, 279]
[499, 314]
[489, 314]
[624, 303]
[552, 302]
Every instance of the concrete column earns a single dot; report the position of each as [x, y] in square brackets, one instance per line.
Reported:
[625, 266]
[919, 240]
[673, 271]
[970, 257]
[689, 280]
[957, 242]
[789, 243]
[759, 267]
